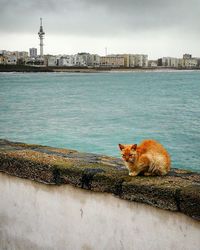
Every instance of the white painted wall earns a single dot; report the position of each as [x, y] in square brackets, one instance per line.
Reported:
[37, 216]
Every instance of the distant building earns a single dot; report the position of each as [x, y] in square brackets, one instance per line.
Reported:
[87, 59]
[174, 62]
[198, 61]
[77, 60]
[138, 60]
[36, 61]
[191, 63]
[33, 52]
[134, 60]
[187, 56]
[93, 60]
[159, 62]
[80, 60]
[169, 62]
[52, 61]
[112, 61]
[66, 60]
[13, 57]
[166, 61]
[83, 58]
[186, 62]
[126, 60]
[2, 59]
[20, 54]
[180, 62]
[5, 52]
[11, 60]
[152, 63]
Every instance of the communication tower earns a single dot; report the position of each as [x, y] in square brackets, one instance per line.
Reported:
[41, 37]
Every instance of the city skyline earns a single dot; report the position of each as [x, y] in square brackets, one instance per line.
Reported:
[156, 28]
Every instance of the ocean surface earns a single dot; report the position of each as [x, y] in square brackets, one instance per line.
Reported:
[93, 112]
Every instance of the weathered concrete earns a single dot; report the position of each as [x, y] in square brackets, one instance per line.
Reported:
[34, 216]
[178, 191]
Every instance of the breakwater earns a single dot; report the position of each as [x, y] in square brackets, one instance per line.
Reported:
[67, 195]
[29, 68]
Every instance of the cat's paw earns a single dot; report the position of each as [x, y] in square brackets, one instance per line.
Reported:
[147, 174]
[133, 174]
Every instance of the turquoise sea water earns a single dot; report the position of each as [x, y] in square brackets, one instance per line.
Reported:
[94, 112]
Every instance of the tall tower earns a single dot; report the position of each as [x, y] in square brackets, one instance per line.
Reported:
[41, 37]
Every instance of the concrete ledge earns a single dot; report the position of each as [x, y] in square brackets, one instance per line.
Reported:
[178, 191]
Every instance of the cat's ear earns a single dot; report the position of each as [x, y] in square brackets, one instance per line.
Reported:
[121, 146]
[134, 146]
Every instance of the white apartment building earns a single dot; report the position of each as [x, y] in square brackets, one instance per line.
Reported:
[66, 60]
[174, 62]
[87, 59]
[33, 52]
[80, 60]
[93, 60]
[52, 61]
[166, 61]
[138, 60]
[186, 62]
[170, 62]
[180, 62]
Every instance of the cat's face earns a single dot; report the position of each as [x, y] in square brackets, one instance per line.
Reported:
[128, 152]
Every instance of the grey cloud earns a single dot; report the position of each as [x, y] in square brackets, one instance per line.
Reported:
[99, 18]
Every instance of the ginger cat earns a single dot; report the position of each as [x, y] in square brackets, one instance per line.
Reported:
[149, 158]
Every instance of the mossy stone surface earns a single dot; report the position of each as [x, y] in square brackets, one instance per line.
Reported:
[178, 191]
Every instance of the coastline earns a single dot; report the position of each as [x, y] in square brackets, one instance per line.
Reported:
[32, 69]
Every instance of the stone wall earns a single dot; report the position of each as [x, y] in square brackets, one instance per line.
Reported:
[39, 217]
[114, 212]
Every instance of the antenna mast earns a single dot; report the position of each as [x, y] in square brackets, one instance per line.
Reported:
[41, 34]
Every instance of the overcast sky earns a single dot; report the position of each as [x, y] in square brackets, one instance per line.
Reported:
[154, 27]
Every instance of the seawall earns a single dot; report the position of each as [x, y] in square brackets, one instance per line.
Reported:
[74, 69]
[65, 199]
